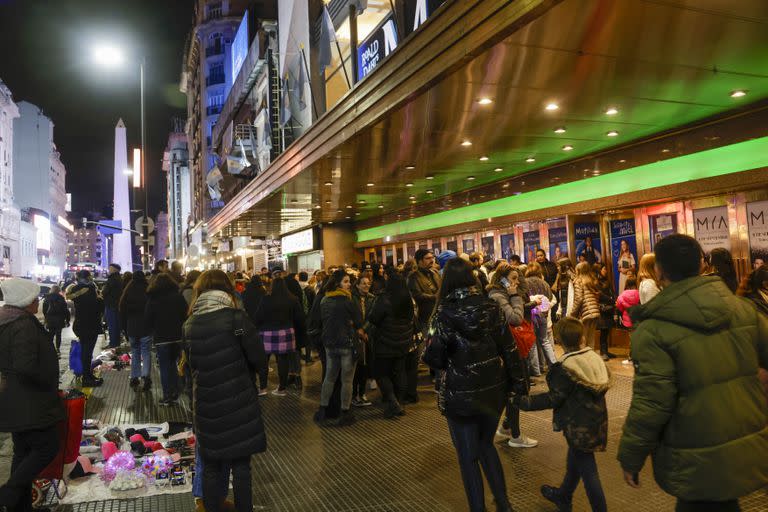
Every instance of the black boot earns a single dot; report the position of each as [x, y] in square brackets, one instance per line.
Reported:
[319, 416]
[347, 418]
[147, 384]
[554, 495]
[135, 382]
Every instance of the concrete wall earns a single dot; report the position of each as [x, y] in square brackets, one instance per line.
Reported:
[338, 245]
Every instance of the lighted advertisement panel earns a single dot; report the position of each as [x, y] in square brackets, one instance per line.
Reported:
[43, 225]
[298, 242]
[240, 47]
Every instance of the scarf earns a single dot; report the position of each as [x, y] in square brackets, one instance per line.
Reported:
[210, 301]
[339, 292]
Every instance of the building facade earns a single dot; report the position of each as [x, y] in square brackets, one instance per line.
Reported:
[179, 194]
[85, 245]
[160, 251]
[9, 213]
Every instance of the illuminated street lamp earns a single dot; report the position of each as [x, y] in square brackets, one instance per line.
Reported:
[112, 57]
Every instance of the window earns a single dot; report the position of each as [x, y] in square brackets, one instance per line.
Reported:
[214, 10]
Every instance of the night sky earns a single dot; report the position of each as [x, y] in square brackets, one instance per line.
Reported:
[46, 59]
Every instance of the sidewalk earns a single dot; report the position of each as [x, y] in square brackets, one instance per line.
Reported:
[381, 465]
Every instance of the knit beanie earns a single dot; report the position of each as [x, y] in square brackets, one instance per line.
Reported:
[19, 292]
[444, 256]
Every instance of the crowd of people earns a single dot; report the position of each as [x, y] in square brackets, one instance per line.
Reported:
[487, 331]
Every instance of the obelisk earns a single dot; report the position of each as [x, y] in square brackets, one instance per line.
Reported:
[121, 242]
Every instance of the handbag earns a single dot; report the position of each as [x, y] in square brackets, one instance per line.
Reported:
[525, 337]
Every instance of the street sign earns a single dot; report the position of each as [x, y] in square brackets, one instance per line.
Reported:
[138, 241]
[140, 225]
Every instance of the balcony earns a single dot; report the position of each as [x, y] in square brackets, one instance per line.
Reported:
[216, 79]
[213, 110]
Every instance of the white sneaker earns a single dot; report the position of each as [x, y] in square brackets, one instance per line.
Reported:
[504, 432]
[522, 442]
[263, 392]
[279, 392]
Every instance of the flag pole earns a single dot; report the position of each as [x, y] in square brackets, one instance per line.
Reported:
[343, 67]
[309, 80]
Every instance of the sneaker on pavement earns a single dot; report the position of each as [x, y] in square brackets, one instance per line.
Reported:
[364, 402]
[279, 392]
[355, 402]
[263, 392]
[554, 495]
[319, 416]
[504, 432]
[522, 442]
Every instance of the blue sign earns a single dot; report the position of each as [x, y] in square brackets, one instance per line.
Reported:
[623, 251]
[418, 11]
[376, 47]
[558, 243]
[531, 244]
[240, 47]
[110, 227]
[508, 246]
[587, 240]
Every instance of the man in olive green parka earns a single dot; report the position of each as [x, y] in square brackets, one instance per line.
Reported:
[698, 408]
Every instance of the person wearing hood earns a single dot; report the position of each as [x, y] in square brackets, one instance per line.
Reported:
[89, 307]
[56, 313]
[479, 364]
[164, 316]
[30, 408]
[698, 407]
[224, 351]
[112, 291]
[577, 385]
[132, 306]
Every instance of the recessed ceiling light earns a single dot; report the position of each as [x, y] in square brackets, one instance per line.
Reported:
[485, 101]
[430, 177]
[611, 111]
[317, 207]
[466, 143]
[552, 106]
[357, 213]
[483, 158]
[381, 206]
[429, 191]
[347, 217]
[498, 169]
[560, 129]
[506, 185]
[330, 222]
[409, 184]
[739, 93]
[612, 133]
[530, 159]
[410, 167]
[328, 183]
[327, 201]
[567, 147]
[411, 197]
[370, 184]
[349, 206]
[339, 211]
[665, 150]
[622, 161]
[361, 201]
[470, 178]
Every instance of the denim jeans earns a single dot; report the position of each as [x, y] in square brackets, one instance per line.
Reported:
[167, 356]
[582, 466]
[141, 356]
[197, 482]
[338, 361]
[112, 317]
[472, 438]
[544, 339]
[707, 506]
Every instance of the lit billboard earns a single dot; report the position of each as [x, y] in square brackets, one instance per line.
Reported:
[43, 225]
[240, 47]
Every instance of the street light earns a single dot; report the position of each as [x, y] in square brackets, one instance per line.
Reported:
[112, 57]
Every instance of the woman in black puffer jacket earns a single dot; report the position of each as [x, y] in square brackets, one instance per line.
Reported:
[224, 350]
[392, 318]
[471, 345]
[132, 305]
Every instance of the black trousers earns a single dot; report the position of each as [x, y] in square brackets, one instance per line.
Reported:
[241, 484]
[707, 506]
[33, 450]
[333, 410]
[390, 374]
[87, 344]
[412, 376]
[361, 379]
[604, 335]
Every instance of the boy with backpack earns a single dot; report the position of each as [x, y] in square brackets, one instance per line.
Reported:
[577, 384]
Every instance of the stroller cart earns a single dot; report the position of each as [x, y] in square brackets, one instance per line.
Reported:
[70, 434]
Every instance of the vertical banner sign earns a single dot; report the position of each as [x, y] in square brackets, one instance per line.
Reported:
[452, 245]
[376, 47]
[531, 244]
[411, 251]
[757, 221]
[436, 250]
[587, 240]
[468, 245]
[710, 228]
[508, 246]
[623, 251]
[662, 226]
[487, 244]
[558, 243]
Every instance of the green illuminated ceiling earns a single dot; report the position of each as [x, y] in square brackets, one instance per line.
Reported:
[735, 158]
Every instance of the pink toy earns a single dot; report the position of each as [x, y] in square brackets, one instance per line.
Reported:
[137, 438]
[108, 449]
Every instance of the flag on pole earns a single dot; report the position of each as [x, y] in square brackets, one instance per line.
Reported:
[301, 86]
[285, 109]
[267, 135]
[327, 36]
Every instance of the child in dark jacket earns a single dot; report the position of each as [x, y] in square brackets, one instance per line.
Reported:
[577, 386]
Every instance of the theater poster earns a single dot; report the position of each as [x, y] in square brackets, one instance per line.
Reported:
[710, 228]
[468, 245]
[558, 243]
[623, 251]
[436, 250]
[586, 238]
[531, 244]
[757, 221]
[507, 246]
[452, 245]
[488, 249]
[662, 226]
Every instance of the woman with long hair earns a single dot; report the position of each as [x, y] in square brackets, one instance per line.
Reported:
[563, 287]
[253, 298]
[539, 288]
[132, 305]
[472, 347]
[607, 303]
[340, 320]
[187, 287]
[647, 281]
[392, 318]
[586, 300]
[505, 291]
[721, 264]
[626, 264]
[281, 322]
[363, 300]
[755, 288]
[224, 348]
